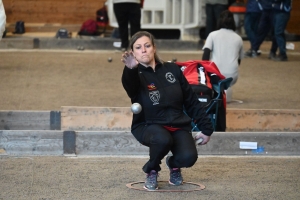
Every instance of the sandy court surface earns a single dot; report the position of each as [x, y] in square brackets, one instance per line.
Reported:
[244, 178]
[47, 80]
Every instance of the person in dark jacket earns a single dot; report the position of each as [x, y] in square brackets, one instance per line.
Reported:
[163, 92]
[281, 15]
[252, 17]
[265, 26]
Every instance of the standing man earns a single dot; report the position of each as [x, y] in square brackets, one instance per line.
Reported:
[252, 16]
[213, 9]
[264, 26]
[281, 14]
[2, 19]
[127, 12]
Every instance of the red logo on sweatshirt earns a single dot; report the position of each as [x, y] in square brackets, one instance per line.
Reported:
[151, 87]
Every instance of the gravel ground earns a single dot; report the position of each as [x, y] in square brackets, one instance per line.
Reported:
[246, 178]
[47, 80]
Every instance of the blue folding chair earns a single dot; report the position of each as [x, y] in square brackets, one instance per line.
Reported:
[213, 107]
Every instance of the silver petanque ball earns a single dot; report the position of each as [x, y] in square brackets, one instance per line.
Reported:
[136, 108]
[199, 140]
[109, 59]
[81, 48]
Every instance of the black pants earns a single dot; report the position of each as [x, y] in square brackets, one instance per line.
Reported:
[160, 141]
[127, 13]
[213, 12]
[264, 27]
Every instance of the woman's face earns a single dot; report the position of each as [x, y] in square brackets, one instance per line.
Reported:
[144, 51]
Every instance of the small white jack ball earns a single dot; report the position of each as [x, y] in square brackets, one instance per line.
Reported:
[199, 140]
[109, 59]
[81, 48]
[136, 108]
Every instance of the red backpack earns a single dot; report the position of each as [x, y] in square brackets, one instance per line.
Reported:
[201, 75]
[89, 28]
[102, 17]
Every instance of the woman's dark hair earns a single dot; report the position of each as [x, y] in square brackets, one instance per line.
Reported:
[140, 34]
[226, 20]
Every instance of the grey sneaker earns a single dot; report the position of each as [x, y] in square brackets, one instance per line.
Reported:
[272, 55]
[175, 174]
[280, 58]
[252, 53]
[151, 181]
[258, 52]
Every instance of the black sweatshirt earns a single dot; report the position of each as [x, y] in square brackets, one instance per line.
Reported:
[163, 94]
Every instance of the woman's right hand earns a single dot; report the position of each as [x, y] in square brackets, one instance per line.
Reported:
[129, 60]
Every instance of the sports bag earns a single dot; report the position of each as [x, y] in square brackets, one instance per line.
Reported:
[62, 33]
[19, 27]
[102, 17]
[89, 28]
[201, 75]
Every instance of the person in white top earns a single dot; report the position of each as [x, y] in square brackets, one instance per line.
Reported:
[2, 19]
[225, 48]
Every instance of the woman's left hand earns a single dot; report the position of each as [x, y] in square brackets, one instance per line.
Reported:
[204, 137]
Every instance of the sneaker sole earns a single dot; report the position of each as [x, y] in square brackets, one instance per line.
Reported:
[174, 184]
[150, 189]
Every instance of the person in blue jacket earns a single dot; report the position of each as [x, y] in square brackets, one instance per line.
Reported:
[265, 26]
[281, 15]
[252, 17]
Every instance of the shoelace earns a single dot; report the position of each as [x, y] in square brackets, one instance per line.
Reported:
[151, 177]
[175, 174]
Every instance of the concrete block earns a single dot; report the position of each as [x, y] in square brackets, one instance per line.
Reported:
[179, 45]
[119, 118]
[108, 143]
[16, 43]
[89, 43]
[55, 120]
[31, 142]
[95, 118]
[123, 143]
[269, 143]
[25, 120]
[263, 120]
[69, 141]
[221, 143]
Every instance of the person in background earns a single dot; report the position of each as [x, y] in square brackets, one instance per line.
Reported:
[127, 12]
[2, 19]
[281, 16]
[265, 26]
[213, 9]
[163, 92]
[252, 17]
[225, 48]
